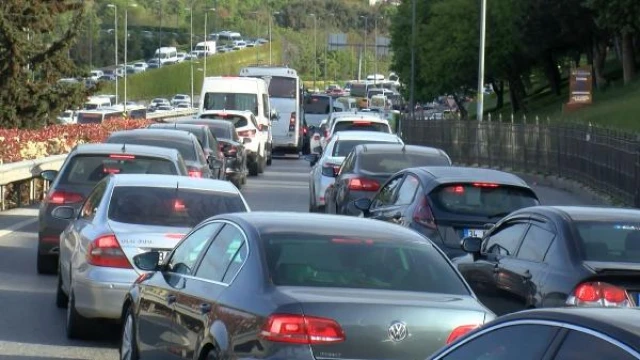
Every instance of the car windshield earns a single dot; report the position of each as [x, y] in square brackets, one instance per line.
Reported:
[317, 105]
[90, 169]
[146, 205]
[361, 125]
[231, 101]
[310, 259]
[394, 162]
[283, 87]
[610, 241]
[342, 148]
[185, 148]
[481, 199]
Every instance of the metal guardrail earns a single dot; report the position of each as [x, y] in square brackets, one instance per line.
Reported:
[166, 115]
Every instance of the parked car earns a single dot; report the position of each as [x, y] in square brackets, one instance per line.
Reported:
[368, 166]
[560, 334]
[555, 256]
[123, 216]
[84, 167]
[186, 143]
[296, 286]
[212, 149]
[447, 204]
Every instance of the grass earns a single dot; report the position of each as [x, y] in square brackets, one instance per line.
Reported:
[176, 79]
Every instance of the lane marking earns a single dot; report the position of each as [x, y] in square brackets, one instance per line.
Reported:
[19, 349]
[17, 226]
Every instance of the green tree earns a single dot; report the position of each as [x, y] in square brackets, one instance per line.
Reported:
[33, 59]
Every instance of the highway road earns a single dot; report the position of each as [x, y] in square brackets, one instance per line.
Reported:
[32, 328]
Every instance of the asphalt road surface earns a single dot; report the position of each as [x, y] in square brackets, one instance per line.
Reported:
[32, 328]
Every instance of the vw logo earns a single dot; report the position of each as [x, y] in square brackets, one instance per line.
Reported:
[398, 331]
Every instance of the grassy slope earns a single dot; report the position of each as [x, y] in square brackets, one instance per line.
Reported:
[176, 79]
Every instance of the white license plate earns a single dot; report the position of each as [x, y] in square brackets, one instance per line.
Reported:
[473, 232]
[163, 255]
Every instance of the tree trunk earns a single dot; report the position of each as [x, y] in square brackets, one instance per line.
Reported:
[551, 72]
[628, 58]
[498, 88]
[599, 52]
[464, 114]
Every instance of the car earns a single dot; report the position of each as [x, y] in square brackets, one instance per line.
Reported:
[212, 150]
[317, 107]
[185, 142]
[84, 167]
[232, 148]
[560, 334]
[325, 167]
[164, 108]
[123, 216]
[183, 105]
[247, 127]
[282, 285]
[448, 203]
[180, 98]
[559, 256]
[321, 134]
[139, 67]
[370, 122]
[159, 101]
[368, 166]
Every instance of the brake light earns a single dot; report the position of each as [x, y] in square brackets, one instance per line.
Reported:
[362, 123]
[64, 197]
[599, 294]
[292, 122]
[302, 329]
[459, 332]
[106, 251]
[363, 184]
[178, 205]
[111, 170]
[304, 130]
[423, 214]
[455, 189]
[122, 157]
[247, 133]
[174, 236]
[486, 185]
[195, 173]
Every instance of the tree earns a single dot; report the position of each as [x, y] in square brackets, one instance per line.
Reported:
[33, 59]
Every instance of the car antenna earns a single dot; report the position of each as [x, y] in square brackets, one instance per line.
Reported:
[124, 147]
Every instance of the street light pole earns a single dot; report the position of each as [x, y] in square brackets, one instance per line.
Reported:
[115, 30]
[254, 45]
[412, 89]
[191, 48]
[206, 15]
[375, 49]
[364, 51]
[483, 34]
[315, 49]
[126, 35]
[326, 49]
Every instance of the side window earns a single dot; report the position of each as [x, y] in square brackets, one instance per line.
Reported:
[505, 241]
[387, 194]
[535, 244]
[224, 251]
[347, 165]
[254, 122]
[200, 152]
[187, 251]
[526, 342]
[90, 206]
[265, 104]
[578, 345]
[407, 190]
[213, 142]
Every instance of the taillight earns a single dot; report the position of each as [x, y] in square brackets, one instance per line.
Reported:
[301, 329]
[247, 133]
[64, 197]
[599, 294]
[195, 173]
[330, 170]
[106, 251]
[363, 184]
[459, 332]
[304, 130]
[423, 214]
[292, 122]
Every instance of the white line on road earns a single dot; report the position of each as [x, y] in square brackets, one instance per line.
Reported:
[52, 351]
[17, 226]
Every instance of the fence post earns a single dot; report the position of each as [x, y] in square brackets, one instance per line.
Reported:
[636, 201]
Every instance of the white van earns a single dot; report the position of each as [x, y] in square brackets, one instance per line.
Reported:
[97, 103]
[240, 93]
[205, 48]
[166, 55]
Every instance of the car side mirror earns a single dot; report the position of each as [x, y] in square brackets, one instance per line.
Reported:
[472, 244]
[274, 115]
[63, 213]
[363, 204]
[49, 175]
[214, 163]
[148, 261]
[246, 140]
[312, 158]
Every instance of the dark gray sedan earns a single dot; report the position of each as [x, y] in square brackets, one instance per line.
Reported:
[273, 285]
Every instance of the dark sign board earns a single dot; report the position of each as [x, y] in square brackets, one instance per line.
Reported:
[581, 86]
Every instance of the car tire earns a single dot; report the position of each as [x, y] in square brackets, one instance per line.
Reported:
[128, 349]
[46, 264]
[262, 161]
[76, 325]
[252, 165]
[62, 300]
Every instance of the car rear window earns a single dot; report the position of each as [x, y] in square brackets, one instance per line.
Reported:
[309, 259]
[169, 206]
[185, 148]
[360, 125]
[219, 130]
[90, 169]
[394, 162]
[236, 120]
[481, 199]
[344, 147]
[609, 241]
[317, 105]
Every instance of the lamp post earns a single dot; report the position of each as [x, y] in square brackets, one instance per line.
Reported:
[326, 49]
[483, 34]
[255, 13]
[159, 33]
[190, 9]
[126, 36]
[270, 37]
[206, 15]
[115, 30]
[412, 88]
[375, 49]
[364, 51]
[315, 49]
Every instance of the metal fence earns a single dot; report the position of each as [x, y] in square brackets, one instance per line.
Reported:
[604, 159]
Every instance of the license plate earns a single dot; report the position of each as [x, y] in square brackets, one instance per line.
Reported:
[163, 255]
[473, 232]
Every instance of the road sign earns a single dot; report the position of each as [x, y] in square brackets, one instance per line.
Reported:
[581, 86]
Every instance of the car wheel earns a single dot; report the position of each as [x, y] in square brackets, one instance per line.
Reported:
[128, 347]
[62, 300]
[76, 323]
[269, 160]
[252, 165]
[262, 161]
[46, 264]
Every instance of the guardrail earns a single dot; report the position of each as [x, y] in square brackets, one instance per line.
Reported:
[166, 115]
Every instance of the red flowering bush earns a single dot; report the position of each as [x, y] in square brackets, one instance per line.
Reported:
[20, 144]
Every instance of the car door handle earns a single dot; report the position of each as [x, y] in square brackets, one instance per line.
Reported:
[205, 308]
[171, 299]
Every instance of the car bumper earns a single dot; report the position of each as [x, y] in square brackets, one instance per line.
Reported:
[321, 188]
[99, 292]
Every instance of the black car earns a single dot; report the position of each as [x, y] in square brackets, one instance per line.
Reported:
[232, 148]
[369, 165]
[273, 285]
[208, 141]
[553, 256]
[552, 334]
[448, 203]
[185, 142]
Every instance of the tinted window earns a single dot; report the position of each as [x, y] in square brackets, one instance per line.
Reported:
[224, 251]
[187, 251]
[221, 131]
[580, 346]
[168, 206]
[386, 196]
[522, 342]
[236, 120]
[609, 241]
[505, 241]
[89, 169]
[344, 147]
[331, 260]
[360, 125]
[486, 200]
[283, 87]
[407, 190]
[393, 162]
[231, 101]
[185, 148]
[535, 244]
[89, 118]
[317, 105]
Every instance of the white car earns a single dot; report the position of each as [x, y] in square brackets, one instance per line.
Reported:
[327, 125]
[159, 101]
[180, 98]
[326, 166]
[140, 67]
[68, 117]
[181, 56]
[182, 105]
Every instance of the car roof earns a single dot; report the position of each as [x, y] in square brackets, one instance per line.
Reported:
[591, 213]
[453, 174]
[206, 121]
[366, 135]
[179, 126]
[231, 112]
[173, 181]
[169, 134]
[375, 119]
[113, 148]
[389, 148]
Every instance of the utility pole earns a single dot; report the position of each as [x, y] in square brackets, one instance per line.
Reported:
[483, 34]
[412, 89]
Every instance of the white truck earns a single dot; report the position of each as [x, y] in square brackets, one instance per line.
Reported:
[166, 55]
[204, 48]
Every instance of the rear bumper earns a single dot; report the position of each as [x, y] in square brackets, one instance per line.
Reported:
[99, 292]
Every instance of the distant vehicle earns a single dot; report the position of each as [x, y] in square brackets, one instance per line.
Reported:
[359, 123]
[317, 107]
[154, 63]
[166, 55]
[159, 101]
[98, 116]
[181, 56]
[229, 36]
[205, 48]
[182, 105]
[180, 98]
[96, 103]
[96, 74]
[140, 67]
[68, 117]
